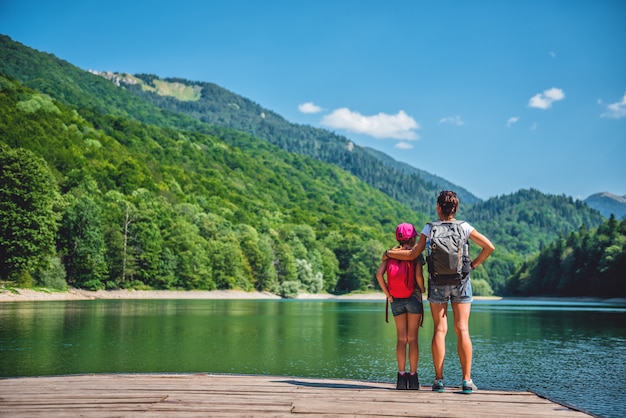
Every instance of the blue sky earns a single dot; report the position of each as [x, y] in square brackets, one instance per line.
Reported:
[495, 96]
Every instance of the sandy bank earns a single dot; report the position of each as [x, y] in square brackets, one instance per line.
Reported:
[21, 295]
[18, 295]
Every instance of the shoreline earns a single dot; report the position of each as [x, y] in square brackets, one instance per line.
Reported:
[30, 295]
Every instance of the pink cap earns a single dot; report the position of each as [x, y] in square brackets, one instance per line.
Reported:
[405, 232]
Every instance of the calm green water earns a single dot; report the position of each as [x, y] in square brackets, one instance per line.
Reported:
[571, 352]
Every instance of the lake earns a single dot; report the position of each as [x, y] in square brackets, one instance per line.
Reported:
[571, 352]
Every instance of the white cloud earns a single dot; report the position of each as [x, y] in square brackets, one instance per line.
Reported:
[403, 145]
[309, 107]
[454, 120]
[382, 125]
[512, 120]
[552, 54]
[616, 110]
[544, 100]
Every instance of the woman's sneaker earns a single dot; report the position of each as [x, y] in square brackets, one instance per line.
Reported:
[403, 381]
[468, 386]
[414, 382]
[438, 386]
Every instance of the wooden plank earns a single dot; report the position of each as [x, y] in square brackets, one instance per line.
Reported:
[161, 395]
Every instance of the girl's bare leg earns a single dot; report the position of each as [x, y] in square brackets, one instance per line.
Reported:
[401, 331]
[413, 324]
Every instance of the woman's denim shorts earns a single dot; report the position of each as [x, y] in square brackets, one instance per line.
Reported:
[455, 293]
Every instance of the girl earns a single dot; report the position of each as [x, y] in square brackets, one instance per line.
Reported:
[408, 309]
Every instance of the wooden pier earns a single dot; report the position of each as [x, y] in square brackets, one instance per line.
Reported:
[202, 395]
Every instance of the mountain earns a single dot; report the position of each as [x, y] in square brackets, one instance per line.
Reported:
[464, 195]
[214, 105]
[607, 204]
[520, 223]
[183, 104]
[243, 166]
[523, 223]
[140, 205]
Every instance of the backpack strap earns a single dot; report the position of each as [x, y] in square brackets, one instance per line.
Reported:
[435, 223]
[387, 310]
[430, 233]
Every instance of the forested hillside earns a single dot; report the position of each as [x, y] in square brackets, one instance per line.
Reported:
[217, 107]
[585, 263]
[142, 206]
[519, 223]
[523, 223]
[220, 107]
[147, 173]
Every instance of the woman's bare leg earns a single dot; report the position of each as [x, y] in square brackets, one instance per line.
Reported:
[440, 329]
[461, 313]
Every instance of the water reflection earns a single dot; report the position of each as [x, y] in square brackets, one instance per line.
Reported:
[557, 349]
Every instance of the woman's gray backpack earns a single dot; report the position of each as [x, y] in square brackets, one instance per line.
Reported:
[447, 252]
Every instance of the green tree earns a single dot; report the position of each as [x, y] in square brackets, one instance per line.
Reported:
[228, 264]
[357, 261]
[28, 222]
[118, 215]
[480, 287]
[587, 263]
[284, 260]
[52, 275]
[312, 281]
[145, 238]
[257, 250]
[191, 256]
[329, 268]
[81, 239]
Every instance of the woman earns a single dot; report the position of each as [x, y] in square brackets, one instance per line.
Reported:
[458, 293]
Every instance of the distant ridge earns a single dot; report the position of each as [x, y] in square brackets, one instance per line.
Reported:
[465, 196]
[607, 203]
[218, 106]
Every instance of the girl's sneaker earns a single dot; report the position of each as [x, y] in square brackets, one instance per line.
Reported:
[438, 386]
[414, 382]
[468, 387]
